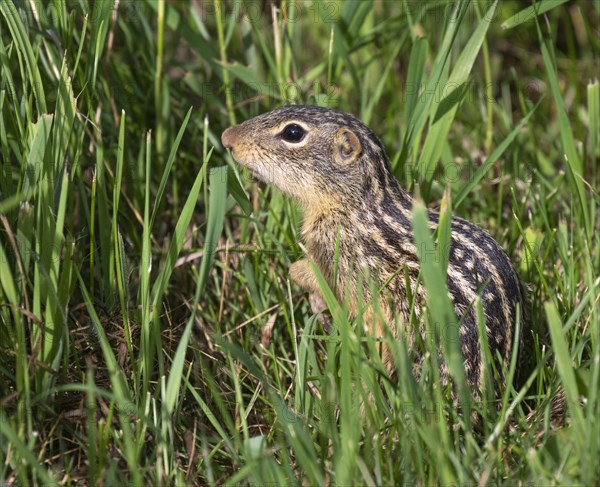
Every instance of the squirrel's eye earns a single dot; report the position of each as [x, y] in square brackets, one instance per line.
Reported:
[293, 133]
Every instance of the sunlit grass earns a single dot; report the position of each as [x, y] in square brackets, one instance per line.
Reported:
[148, 329]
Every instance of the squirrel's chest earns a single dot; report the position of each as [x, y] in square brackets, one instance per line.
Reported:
[347, 247]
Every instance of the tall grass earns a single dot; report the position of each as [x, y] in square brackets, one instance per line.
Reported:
[148, 329]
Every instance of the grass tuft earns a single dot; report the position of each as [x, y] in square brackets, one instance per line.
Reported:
[149, 333]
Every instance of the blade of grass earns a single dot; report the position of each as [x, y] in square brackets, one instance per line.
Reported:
[573, 162]
[214, 226]
[118, 255]
[415, 75]
[223, 53]
[146, 350]
[39, 136]
[7, 88]
[439, 129]
[411, 144]
[105, 222]
[493, 157]
[527, 14]
[101, 15]
[24, 451]
[439, 306]
[593, 93]
[19, 34]
[182, 224]
[169, 165]
[564, 364]
[375, 96]
[443, 231]
[119, 386]
[160, 97]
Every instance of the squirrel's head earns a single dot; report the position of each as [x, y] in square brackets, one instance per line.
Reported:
[312, 154]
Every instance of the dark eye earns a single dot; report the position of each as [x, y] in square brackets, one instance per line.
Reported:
[293, 133]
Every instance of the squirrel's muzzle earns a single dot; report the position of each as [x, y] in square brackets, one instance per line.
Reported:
[228, 137]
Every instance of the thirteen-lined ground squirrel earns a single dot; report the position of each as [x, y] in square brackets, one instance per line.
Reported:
[337, 169]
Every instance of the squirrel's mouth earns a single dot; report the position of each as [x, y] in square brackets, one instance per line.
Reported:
[257, 172]
[228, 138]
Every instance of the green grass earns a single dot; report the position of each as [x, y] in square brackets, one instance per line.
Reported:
[148, 329]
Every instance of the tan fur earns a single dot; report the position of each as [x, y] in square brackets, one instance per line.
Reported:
[356, 210]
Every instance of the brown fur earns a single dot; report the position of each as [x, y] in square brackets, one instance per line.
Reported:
[340, 175]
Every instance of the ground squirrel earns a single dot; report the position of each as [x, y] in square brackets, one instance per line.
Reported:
[337, 169]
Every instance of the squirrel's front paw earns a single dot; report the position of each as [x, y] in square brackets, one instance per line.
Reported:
[303, 275]
[317, 302]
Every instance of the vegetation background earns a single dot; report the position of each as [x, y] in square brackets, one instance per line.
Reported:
[148, 330]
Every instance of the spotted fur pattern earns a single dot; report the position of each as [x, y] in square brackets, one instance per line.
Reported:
[358, 203]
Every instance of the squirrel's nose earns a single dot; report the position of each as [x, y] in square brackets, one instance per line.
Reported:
[228, 138]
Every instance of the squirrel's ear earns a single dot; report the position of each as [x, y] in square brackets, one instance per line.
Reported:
[346, 146]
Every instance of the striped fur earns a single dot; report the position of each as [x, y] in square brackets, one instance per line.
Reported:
[360, 205]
